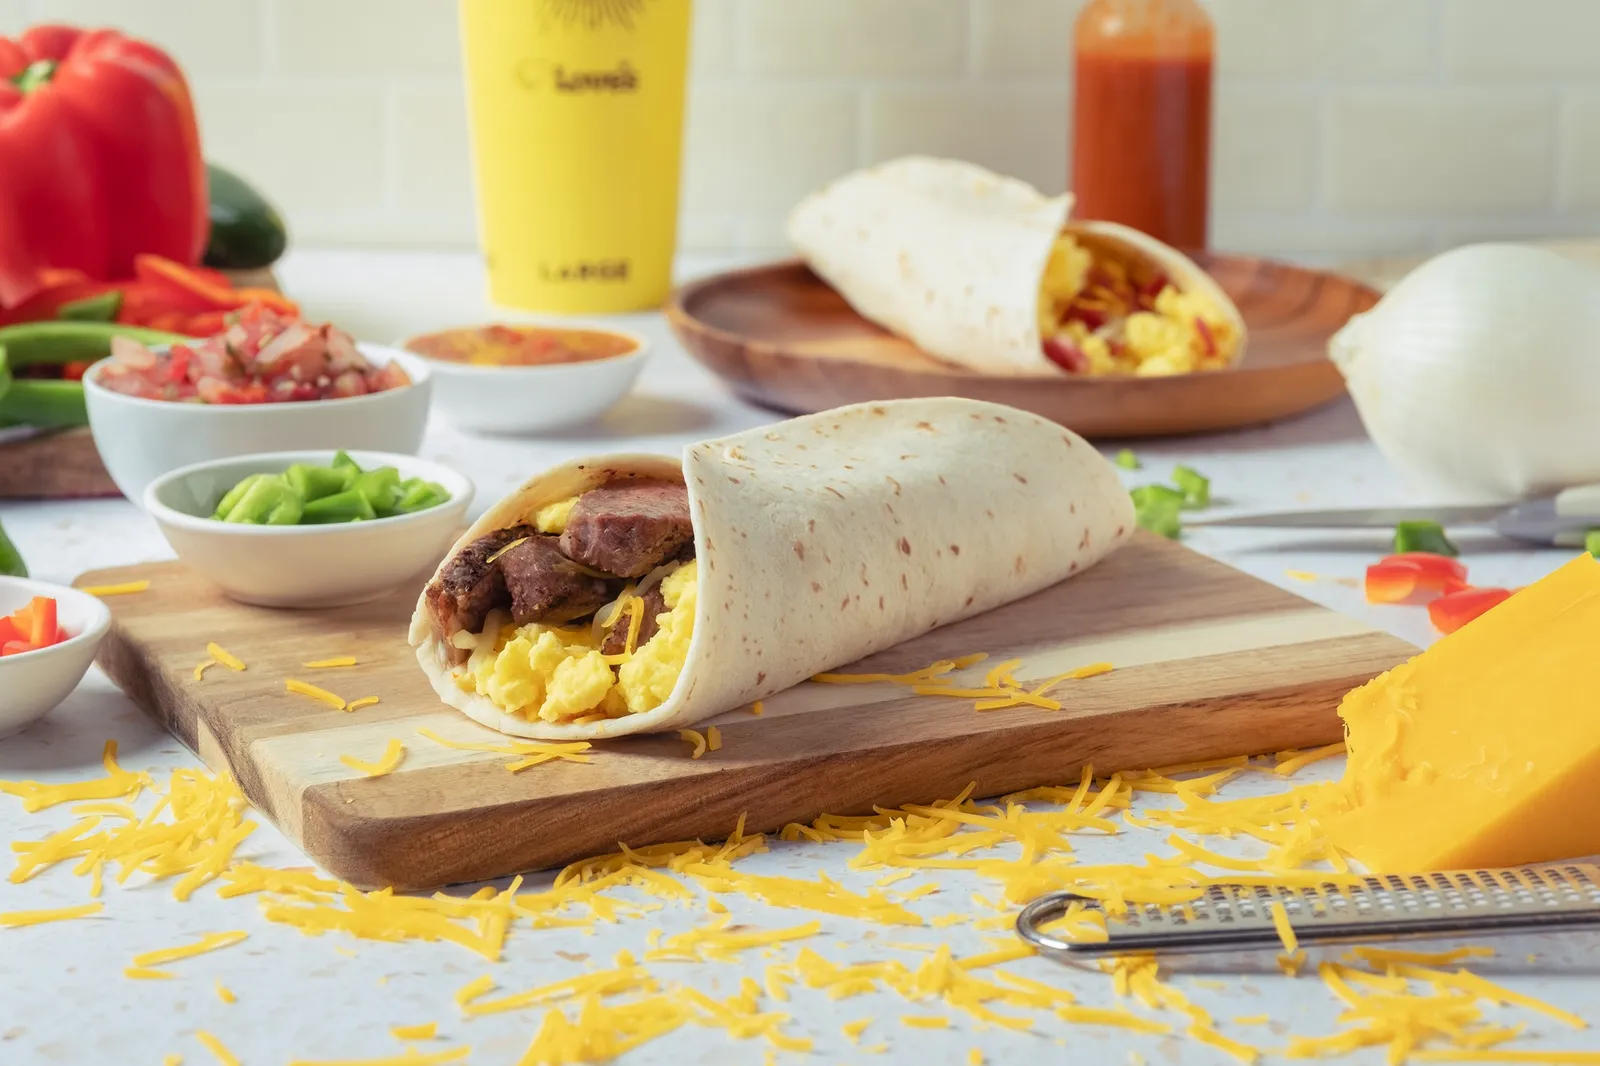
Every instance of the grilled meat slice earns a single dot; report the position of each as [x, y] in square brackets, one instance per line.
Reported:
[629, 528]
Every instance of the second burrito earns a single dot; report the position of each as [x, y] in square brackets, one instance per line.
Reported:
[636, 593]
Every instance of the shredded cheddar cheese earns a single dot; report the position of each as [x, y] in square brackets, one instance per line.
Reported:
[695, 738]
[415, 1032]
[225, 657]
[1280, 922]
[141, 973]
[18, 919]
[911, 1021]
[218, 1050]
[201, 668]
[117, 784]
[124, 588]
[207, 943]
[364, 701]
[332, 663]
[322, 694]
[225, 994]
[757, 708]
[387, 763]
[713, 738]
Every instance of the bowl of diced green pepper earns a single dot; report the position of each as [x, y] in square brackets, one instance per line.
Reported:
[311, 529]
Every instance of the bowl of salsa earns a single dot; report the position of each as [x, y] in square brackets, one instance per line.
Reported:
[524, 379]
[262, 384]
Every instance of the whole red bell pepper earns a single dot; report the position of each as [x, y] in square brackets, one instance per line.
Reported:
[101, 158]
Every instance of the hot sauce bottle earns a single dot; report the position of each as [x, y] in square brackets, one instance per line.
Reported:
[1141, 150]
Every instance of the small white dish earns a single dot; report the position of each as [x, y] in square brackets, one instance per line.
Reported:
[139, 440]
[34, 682]
[304, 566]
[521, 400]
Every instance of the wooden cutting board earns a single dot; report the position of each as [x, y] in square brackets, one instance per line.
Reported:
[1209, 662]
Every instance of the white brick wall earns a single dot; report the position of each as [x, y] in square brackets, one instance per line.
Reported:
[1343, 126]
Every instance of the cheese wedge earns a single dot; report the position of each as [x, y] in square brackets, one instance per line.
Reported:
[1483, 751]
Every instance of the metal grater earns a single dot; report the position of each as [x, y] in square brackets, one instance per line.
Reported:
[1234, 918]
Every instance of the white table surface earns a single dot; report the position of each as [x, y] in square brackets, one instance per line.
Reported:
[63, 998]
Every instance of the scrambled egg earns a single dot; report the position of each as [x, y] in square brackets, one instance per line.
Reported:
[1102, 312]
[552, 518]
[558, 673]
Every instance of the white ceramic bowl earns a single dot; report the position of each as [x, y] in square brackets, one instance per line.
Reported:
[304, 566]
[31, 684]
[515, 400]
[139, 440]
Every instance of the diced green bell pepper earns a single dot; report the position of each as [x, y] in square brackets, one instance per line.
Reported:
[1420, 536]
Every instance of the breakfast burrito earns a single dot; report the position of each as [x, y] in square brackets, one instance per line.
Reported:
[987, 272]
[637, 593]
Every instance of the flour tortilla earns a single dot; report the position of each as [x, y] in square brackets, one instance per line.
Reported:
[826, 538]
[951, 256]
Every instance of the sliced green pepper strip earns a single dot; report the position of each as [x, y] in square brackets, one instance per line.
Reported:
[268, 501]
[1591, 543]
[74, 342]
[1196, 488]
[1419, 536]
[381, 487]
[102, 308]
[11, 564]
[347, 506]
[45, 403]
[1127, 460]
[315, 482]
[231, 498]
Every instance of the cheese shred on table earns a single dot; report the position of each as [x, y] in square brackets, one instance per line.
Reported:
[1401, 1001]
[218, 1050]
[18, 919]
[696, 738]
[332, 663]
[123, 589]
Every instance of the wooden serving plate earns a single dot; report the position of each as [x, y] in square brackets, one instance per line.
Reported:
[781, 338]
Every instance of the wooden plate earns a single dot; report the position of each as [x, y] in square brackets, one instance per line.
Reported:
[781, 338]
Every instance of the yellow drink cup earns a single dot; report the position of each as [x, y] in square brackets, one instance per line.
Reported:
[576, 112]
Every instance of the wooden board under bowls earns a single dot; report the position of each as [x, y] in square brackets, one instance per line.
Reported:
[1209, 662]
[781, 338]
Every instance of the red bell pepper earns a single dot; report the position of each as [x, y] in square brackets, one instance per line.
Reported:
[1453, 610]
[102, 158]
[1398, 577]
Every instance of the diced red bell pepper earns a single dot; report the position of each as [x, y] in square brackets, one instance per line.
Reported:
[42, 622]
[1396, 578]
[1067, 356]
[1453, 610]
[8, 630]
[15, 647]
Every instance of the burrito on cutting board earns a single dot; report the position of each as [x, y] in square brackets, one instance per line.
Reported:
[987, 272]
[639, 593]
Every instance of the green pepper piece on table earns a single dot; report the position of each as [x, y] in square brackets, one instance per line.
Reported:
[50, 404]
[11, 564]
[315, 482]
[102, 308]
[1196, 488]
[1591, 543]
[1127, 460]
[1420, 536]
[1158, 509]
[268, 501]
[74, 342]
[347, 506]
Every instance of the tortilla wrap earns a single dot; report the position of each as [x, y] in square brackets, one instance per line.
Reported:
[951, 256]
[826, 538]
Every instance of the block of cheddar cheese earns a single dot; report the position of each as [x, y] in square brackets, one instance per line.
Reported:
[1484, 750]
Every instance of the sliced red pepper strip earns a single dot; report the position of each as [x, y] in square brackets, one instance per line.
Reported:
[1397, 577]
[1450, 612]
[205, 287]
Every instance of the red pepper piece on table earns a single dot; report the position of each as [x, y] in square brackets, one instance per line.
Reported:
[1396, 578]
[102, 157]
[1453, 610]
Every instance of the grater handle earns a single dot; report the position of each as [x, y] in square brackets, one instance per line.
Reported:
[1186, 941]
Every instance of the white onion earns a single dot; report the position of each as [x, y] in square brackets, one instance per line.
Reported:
[1478, 375]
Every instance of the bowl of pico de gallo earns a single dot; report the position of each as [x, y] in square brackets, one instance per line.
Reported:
[265, 383]
[48, 638]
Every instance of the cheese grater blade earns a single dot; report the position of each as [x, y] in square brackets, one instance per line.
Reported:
[1240, 918]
